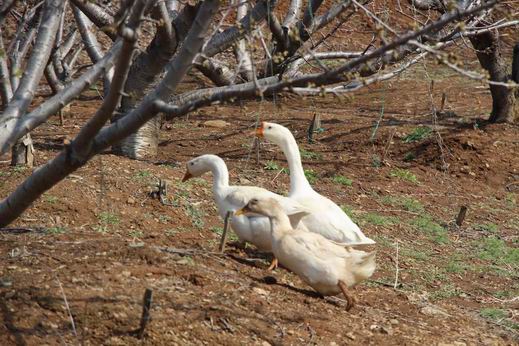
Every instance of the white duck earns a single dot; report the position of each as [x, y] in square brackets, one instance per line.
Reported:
[327, 267]
[253, 229]
[326, 217]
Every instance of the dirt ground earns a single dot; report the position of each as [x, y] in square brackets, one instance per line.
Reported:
[96, 241]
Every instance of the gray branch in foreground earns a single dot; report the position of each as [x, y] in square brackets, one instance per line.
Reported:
[6, 92]
[58, 168]
[84, 24]
[62, 165]
[40, 115]
[292, 14]
[35, 66]
[97, 15]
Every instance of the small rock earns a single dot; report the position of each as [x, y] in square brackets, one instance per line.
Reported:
[333, 343]
[290, 332]
[350, 335]
[260, 291]
[393, 321]
[130, 200]
[215, 123]
[265, 343]
[455, 343]
[126, 273]
[433, 310]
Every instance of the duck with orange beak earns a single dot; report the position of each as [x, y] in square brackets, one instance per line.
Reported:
[326, 217]
[254, 229]
[328, 268]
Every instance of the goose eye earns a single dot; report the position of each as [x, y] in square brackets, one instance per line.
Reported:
[191, 163]
[270, 127]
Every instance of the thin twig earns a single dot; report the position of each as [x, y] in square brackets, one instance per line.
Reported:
[395, 285]
[67, 307]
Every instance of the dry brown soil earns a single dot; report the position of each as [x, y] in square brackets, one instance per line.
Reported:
[98, 239]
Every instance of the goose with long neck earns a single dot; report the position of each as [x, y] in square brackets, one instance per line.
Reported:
[252, 229]
[326, 217]
[328, 268]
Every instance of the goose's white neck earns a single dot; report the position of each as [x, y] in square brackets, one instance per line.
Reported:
[220, 174]
[279, 224]
[298, 181]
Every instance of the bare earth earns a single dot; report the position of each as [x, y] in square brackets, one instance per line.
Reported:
[99, 239]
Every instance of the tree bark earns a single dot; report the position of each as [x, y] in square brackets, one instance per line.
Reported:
[144, 74]
[488, 51]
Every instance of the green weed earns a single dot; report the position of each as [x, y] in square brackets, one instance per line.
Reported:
[405, 175]
[136, 234]
[379, 220]
[415, 254]
[271, 166]
[418, 134]
[50, 199]
[142, 175]
[56, 230]
[306, 154]
[487, 227]
[406, 203]
[108, 218]
[230, 234]
[427, 225]
[496, 251]
[342, 180]
[376, 161]
[196, 216]
[410, 156]
[444, 292]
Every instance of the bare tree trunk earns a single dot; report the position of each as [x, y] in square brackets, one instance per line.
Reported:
[23, 152]
[488, 51]
[241, 52]
[144, 74]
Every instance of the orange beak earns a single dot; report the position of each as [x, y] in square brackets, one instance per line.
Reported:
[187, 176]
[259, 131]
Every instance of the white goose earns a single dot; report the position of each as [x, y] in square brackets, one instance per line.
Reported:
[329, 268]
[253, 229]
[326, 217]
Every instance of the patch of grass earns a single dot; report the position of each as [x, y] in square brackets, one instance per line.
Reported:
[406, 203]
[143, 175]
[174, 231]
[230, 234]
[379, 220]
[164, 218]
[456, 265]
[487, 227]
[427, 225]
[101, 228]
[405, 175]
[342, 180]
[311, 175]
[415, 254]
[108, 218]
[50, 199]
[196, 216]
[493, 313]
[56, 230]
[19, 168]
[418, 134]
[136, 234]
[410, 156]
[496, 251]
[444, 292]
[307, 154]
[499, 316]
[510, 200]
[271, 166]
[376, 161]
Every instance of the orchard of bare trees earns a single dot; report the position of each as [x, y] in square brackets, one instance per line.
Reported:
[152, 63]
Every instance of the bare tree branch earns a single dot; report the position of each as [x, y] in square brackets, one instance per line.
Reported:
[98, 16]
[35, 66]
[58, 168]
